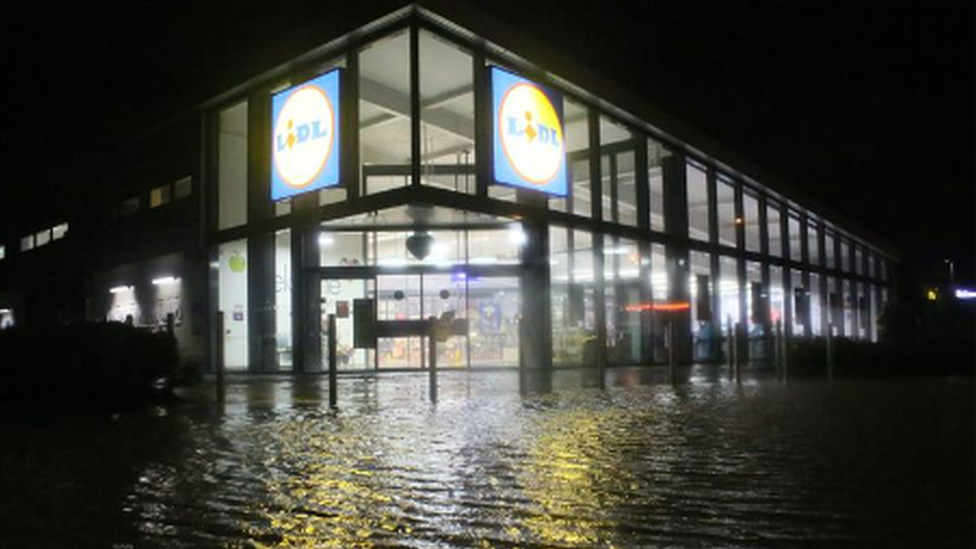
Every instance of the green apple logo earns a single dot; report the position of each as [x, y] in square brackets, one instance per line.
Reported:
[237, 263]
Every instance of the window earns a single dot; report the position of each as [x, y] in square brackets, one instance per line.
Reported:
[829, 256]
[750, 220]
[576, 122]
[160, 196]
[774, 229]
[42, 238]
[232, 167]
[182, 188]
[813, 244]
[447, 115]
[233, 302]
[59, 231]
[845, 257]
[655, 180]
[697, 184]
[725, 200]
[27, 243]
[728, 292]
[384, 113]
[619, 180]
[129, 206]
[796, 243]
[858, 260]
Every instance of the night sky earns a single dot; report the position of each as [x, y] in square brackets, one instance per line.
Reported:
[866, 106]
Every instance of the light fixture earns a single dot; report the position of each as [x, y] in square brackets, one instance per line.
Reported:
[965, 294]
[121, 289]
[516, 235]
[326, 240]
[165, 281]
[6, 311]
[419, 244]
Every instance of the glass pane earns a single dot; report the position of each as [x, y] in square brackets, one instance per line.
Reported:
[338, 298]
[655, 180]
[702, 288]
[494, 309]
[282, 300]
[697, 183]
[725, 200]
[626, 189]
[182, 188]
[801, 301]
[447, 115]
[621, 265]
[774, 229]
[728, 292]
[750, 215]
[384, 111]
[796, 244]
[232, 167]
[813, 244]
[232, 301]
[816, 312]
[399, 298]
[829, 257]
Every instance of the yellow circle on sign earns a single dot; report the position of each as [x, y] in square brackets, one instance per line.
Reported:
[531, 134]
[304, 136]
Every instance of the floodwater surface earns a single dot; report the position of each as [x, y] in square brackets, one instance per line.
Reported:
[702, 463]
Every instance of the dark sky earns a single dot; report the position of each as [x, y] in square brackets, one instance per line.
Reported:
[867, 106]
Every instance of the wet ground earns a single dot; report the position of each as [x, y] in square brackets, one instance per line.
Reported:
[704, 462]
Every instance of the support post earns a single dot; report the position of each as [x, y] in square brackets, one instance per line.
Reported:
[738, 350]
[830, 351]
[670, 340]
[777, 347]
[432, 362]
[219, 352]
[730, 339]
[333, 365]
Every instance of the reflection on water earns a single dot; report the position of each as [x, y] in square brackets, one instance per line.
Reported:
[701, 463]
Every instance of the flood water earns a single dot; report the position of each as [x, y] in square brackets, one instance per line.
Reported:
[702, 463]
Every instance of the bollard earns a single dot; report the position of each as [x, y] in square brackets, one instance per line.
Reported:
[432, 365]
[219, 352]
[731, 344]
[777, 349]
[830, 351]
[738, 350]
[786, 354]
[333, 365]
[670, 340]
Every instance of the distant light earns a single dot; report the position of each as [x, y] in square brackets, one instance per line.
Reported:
[326, 240]
[121, 289]
[965, 294]
[739, 221]
[6, 311]
[165, 281]
[932, 294]
[664, 307]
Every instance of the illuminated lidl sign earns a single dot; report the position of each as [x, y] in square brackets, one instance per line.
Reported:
[305, 137]
[529, 143]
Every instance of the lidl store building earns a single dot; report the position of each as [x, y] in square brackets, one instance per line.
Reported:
[428, 166]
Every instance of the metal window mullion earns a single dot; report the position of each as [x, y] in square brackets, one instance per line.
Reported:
[415, 109]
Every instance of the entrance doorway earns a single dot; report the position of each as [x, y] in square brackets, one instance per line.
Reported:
[487, 298]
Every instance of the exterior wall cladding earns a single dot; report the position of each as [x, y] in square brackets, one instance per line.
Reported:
[665, 243]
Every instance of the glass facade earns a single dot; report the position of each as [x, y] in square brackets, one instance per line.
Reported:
[648, 237]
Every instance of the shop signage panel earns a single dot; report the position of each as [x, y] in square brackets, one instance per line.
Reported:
[305, 137]
[529, 145]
